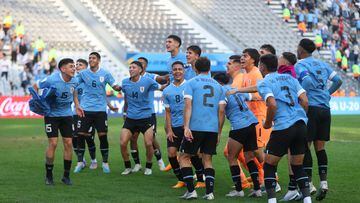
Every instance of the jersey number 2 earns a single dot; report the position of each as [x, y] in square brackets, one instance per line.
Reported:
[209, 95]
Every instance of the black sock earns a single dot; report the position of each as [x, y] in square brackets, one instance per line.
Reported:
[135, 156]
[49, 169]
[254, 173]
[74, 142]
[91, 145]
[188, 178]
[176, 167]
[322, 164]
[81, 147]
[148, 165]
[270, 180]
[301, 179]
[292, 183]
[199, 168]
[67, 166]
[104, 147]
[127, 164]
[157, 154]
[236, 178]
[308, 163]
[209, 180]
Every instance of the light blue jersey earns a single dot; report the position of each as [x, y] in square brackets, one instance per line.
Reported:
[237, 110]
[173, 97]
[319, 73]
[137, 95]
[286, 90]
[80, 91]
[206, 95]
[179, 57]
[64, 94]
[151, 96]
[94, 93]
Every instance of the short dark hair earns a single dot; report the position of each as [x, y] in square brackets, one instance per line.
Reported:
[138, 64]
[222, 78]
[143, 58]
[83, 61]
[308, 45]
[195, 49]
[64, 62]
[176, 38]
[177, 62]
[269, 48]
[202, 64]
[254, 54]
[235, 58]
[290, 57]
[96, 54]
[270, 61]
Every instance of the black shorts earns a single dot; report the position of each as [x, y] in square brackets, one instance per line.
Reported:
[205, 141]
[245, 136]
[153, 121]
[293, 138]
[179, 133]
[76, 123]
[138, 125]
[318, 124]
[97, 120]
[54, 124]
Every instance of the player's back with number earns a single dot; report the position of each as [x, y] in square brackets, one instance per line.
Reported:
[286, 90]
[206, 94]
[320, 73]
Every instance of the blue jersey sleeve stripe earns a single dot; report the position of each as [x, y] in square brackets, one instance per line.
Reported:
[332, 75]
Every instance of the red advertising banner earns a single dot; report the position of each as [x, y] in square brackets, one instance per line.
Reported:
[16, 107]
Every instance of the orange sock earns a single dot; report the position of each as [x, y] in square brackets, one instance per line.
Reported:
[261, 170]
[241, 158]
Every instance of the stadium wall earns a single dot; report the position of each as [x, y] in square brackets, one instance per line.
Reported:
[18, 107]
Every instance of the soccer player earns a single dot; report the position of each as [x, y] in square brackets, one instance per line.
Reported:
[313, 75]
[286, 103]
[92, 109]
[267, 49]
[137, 90]
[60, 117]
[201, 126]
[173, 44]
[241, 136]
[173, 97]
[133, 141]
[249, 61]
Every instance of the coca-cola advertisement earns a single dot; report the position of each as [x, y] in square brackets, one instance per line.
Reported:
[16, 107]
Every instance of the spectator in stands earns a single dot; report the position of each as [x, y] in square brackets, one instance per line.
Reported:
[286, 14]
[52, 54]
[2, 37]
[14, 47]
[7, 22]
[20, 30]
[344, 63]
[25, 78]
[318, 41]
[310, 20]
[356, 71]
[338, 57]
[23, 51]
[39, 46]
[325, 35]
[302, 27]
[4, 66]
[52, 65]
[356, 52]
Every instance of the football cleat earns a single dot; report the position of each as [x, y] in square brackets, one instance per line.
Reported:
[200, 185]
[168, 168]
[80, 166]
[291, 195]
[105, 167]
[127, 171]
[66, 181]
[209, 196]
[147, 171]
[136, 168]
[235, 193]
[179, 184]
[161, 165]
[255, 193]
[93, 164]
[312, 188]
[321, 194]
[49, 181]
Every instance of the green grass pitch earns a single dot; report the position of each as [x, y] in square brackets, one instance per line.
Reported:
[23, 143]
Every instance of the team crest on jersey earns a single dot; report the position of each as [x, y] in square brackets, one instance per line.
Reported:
[72, 90]
[142, 89]
[101, 79]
